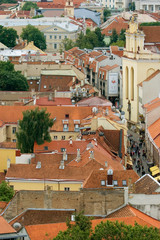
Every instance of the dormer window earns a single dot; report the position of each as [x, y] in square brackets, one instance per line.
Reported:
[124, 183]
[63, 149]
[103, 182]
[115, 182]
[45, 147]
[65, 127]
[66, 115]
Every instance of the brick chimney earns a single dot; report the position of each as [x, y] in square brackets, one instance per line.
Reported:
[61, 164]
[64, 155]
[70, 142]
[91, 155]
[8, 163]
[78, 155]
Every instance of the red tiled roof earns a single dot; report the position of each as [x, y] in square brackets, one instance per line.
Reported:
[49, 231]
[118, 23]
[11, 114]
[94, 180]
[9, 145]
[2, 176]
[57, 145]
[101, 156]
[5, 227]
[49, 172]
[154, 131]
[152, 33]
[43, 101]
[2, 204]
[146, 185]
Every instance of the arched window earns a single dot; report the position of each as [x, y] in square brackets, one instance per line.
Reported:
[126, 80]
[132, 84]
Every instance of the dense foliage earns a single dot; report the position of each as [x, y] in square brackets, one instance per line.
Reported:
[118, 40]
[150, 24]
[132, 6]
[34, 127]
[28, 5]
[90, 40]
[31, 33]
[11, 80]
[38, 16]
[106, 231]
[8, 36]
[6, 192]
[8, 1]
[106, 14]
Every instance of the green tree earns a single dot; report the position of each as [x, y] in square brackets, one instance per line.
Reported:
[108, 230]
[31, 33]
[120, 231]
[8, 36]
[6, 192]
[119, 43]
[132, 6]
[34, 127]
[106, 14]
[8, 1]
[66, 44]
[11, 80]
[114, 36]
[38, 16]
[28, 5]
[81, 230]
[100, 36]
[122, 35]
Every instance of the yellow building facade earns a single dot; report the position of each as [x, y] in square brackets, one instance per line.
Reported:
[138, 64]
[44, 184]
[7, 156]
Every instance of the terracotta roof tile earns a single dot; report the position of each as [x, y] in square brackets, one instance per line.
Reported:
[58, 145]
[14, 113]
[50, 172]
[117, 23]
[2, 204]
[43, 216]
[154, 130]
[5, 227]
[43, 101]
[2, 176]
[94, 181]
[11, 145]
[146, 185]
[152, 33]
[49, 231]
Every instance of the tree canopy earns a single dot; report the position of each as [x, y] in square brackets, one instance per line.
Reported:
[11, 80]
[6, 192]
[150, 24]
[8, 36]
[106, 14]
[28, 5]
[31, 33]
[82, 229]
[118, 40]
[8, 1]
[34, 127]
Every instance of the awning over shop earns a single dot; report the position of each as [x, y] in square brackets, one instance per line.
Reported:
[157, 178]
[154, 168]
[155, 172]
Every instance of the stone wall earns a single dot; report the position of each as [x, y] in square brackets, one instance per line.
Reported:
[92, 202]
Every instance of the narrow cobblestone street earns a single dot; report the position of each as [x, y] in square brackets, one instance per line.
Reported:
[137, 151]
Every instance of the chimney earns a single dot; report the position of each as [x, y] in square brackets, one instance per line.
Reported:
[8, 163]
[38, 166]
[70, 142]
[61, 164]
[64, 156]
[110, 177]
[78, 155]
[91, 155]
[106, 164]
